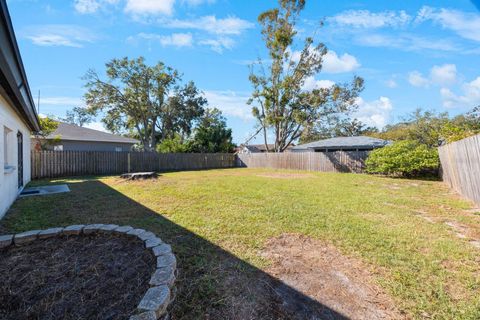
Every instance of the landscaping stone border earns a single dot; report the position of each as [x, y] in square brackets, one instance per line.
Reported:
[158, 297]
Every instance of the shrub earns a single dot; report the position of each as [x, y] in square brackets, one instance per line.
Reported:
[173, 145]
[404, 158]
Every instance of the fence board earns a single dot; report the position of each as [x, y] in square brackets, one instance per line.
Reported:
[461, 166]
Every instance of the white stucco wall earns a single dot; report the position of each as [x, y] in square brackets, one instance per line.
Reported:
[9, 181]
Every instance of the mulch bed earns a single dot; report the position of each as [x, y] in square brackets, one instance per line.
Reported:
[76, 277]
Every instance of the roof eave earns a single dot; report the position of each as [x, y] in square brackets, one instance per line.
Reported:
[345, 147]
[91, 140]
[13, 79]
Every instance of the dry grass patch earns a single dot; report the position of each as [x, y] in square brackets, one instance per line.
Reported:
[321, 272]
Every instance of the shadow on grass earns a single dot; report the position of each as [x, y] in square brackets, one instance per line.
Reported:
[212, 283]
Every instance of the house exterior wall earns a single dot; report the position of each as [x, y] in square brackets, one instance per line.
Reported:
[10, 125]
[69, 145]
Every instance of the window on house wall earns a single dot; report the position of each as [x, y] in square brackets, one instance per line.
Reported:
[7, 153]
[118, 149]
[58, 147]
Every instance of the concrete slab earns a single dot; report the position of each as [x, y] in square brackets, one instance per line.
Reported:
[44, 190]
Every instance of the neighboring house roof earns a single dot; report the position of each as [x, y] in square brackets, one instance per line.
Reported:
[261, 147]
[359, 142]
[67, 131]
[13, 80]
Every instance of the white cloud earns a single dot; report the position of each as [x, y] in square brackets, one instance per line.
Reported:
[416, 79]
[360, 26]
[219, 45]
[149, 7]
[210, 24]
[197, 2]
[332, 63]
[86, 6]
[465, 24]
[470, 96]
[374, 113]
[62, 101]
[221, 30]
[137, 8]
[175, 39]
[405, 42]
[391, 83]
[367, 19]
[311, 83]
[183, 40]
[91, 6]
[230, 103]
[444, 75]
[59, 35]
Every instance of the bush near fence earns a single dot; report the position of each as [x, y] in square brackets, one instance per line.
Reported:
[461, 166]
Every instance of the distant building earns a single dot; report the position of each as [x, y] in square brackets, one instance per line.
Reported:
[359, 143]
[70, 137]
[258, 148]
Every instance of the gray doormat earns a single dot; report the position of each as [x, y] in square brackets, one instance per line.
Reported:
[44, 190]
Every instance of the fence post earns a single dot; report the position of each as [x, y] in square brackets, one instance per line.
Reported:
[128, 161]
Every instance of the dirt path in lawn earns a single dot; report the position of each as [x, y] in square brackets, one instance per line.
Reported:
[342, 287]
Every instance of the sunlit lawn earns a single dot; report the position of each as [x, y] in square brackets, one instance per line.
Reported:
[428, 270]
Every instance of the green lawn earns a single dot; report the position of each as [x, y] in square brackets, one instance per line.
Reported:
[219, 220]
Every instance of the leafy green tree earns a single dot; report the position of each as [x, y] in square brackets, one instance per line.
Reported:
[48, 125]
[148, 101]
[433, 129]
[404, 158]
[79, 116]
[343, 128]
[462, 126]
[352, 128]
[174, 145]
[280, 102]
[212, 135]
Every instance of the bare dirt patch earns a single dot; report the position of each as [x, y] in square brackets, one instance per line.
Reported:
[341, 286]
[286, 175]
[78, 277]
[461, 231]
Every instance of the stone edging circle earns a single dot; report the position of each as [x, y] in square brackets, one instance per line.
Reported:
[158, 297]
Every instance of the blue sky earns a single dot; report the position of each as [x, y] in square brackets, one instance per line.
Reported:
[410, 53]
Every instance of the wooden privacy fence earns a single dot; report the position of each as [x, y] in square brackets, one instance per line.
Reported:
[339, 161]
[51, 164]
[461, 166]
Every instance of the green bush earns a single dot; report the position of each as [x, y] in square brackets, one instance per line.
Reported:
[404, 158]
[174, 145]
